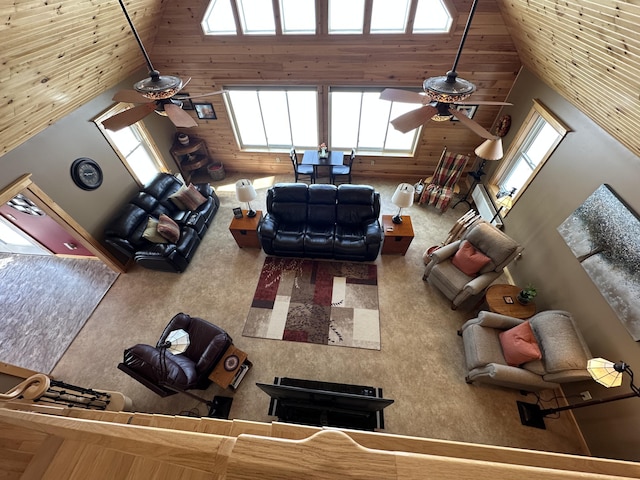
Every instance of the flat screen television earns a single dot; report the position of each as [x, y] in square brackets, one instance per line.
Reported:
[317, 407]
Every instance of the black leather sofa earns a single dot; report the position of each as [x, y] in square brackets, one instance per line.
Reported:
[124, 233]
[322, 221]
[165, 373]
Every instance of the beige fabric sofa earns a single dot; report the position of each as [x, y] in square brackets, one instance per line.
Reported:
[455, 284]
[564, 351]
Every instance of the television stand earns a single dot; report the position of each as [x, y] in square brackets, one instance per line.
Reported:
[326, 404]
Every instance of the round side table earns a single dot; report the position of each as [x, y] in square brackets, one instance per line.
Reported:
[502, 299]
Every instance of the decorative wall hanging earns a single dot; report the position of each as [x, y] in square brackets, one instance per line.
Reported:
[604, 235]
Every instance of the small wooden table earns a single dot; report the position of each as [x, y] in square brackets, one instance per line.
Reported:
[225, 377]
[497, 298]
[245, 230]
[312, 157]
[397, 236]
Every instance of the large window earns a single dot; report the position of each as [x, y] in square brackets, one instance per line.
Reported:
[258, 17]
[274, 118]
[360, 120]
[540, 134]
[134, 146]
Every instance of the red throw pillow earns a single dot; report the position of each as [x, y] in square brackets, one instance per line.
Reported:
[469, 260]
[519, 345]
[168, 229]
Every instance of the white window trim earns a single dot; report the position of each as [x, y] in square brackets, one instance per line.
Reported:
[144, 134]
[537, 110]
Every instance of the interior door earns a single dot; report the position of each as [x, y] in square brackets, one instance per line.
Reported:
[22, 212]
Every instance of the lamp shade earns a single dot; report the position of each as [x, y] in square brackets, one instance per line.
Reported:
[490, 149]
[604, 372]
[245, 191]
[403, 196]
[178, 340]
[505, 202]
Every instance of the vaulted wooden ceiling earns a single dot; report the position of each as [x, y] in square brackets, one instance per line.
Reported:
[58, 55]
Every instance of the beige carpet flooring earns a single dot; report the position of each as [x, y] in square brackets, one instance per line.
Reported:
[420, 364]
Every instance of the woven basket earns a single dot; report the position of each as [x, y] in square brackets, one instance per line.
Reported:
[216, 171]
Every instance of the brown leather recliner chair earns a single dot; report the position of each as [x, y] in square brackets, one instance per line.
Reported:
[186, 371]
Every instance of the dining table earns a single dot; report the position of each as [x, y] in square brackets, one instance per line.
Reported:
[312, 157]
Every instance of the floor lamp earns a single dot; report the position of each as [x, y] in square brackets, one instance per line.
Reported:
[602, 371]
[489, 150]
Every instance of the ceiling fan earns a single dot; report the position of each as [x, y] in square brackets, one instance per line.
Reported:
[153, 94]
[443, 94]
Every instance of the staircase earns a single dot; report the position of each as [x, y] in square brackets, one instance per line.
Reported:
[54, 443]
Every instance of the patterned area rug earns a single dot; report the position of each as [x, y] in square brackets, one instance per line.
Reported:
[45, 301]
[331, 303]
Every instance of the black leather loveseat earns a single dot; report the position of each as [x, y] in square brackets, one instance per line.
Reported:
[125, 232]
[322, 221]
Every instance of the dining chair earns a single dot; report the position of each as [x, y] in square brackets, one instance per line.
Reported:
[301, 169]
[344, 169]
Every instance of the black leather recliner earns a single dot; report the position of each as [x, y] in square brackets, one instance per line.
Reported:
[186, 371]
[124, 233]
[322, 221]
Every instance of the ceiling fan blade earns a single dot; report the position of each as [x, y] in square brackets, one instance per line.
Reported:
[130, 96]
[128, 117]
[413, 119]
[179, 117]
[210, 94]
[483, 102]
[471, 124]
[403, 96]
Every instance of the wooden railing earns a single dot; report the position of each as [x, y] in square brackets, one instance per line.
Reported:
[282, 451]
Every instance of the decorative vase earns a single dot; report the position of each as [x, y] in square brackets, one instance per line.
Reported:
[183, 139]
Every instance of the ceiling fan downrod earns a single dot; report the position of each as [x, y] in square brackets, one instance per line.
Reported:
[462, 40]
[157, 87]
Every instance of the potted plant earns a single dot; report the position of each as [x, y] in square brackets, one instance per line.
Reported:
[527, 294]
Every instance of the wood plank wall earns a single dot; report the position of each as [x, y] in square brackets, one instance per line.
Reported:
[489, 59]
[588, 51]
[56, 56]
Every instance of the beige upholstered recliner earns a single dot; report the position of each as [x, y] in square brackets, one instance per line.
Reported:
[564, 351]
[459, 286]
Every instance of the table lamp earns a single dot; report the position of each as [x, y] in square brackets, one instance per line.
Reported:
[402, 198]
[602, 371]
[246, 193]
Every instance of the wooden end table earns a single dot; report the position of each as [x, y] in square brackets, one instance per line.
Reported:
[225, 376]
[397, 236]
[497, 298]
[245, 230]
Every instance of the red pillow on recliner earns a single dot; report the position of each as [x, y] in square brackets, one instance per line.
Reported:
[469, 260]
[519, 345]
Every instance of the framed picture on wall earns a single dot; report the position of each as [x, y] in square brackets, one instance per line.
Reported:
[468, 110]
[205, 111]
[184, 98]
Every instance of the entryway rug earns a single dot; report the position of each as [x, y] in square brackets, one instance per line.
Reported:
[314, 301]
[44, 302]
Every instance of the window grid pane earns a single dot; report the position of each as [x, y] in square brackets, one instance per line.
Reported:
[218, 19]
[346, 16]
[298, 16]
[389, 16]
[431, 16]
[256, 17]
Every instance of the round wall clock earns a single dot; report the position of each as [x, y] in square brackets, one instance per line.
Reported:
[86, 173]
